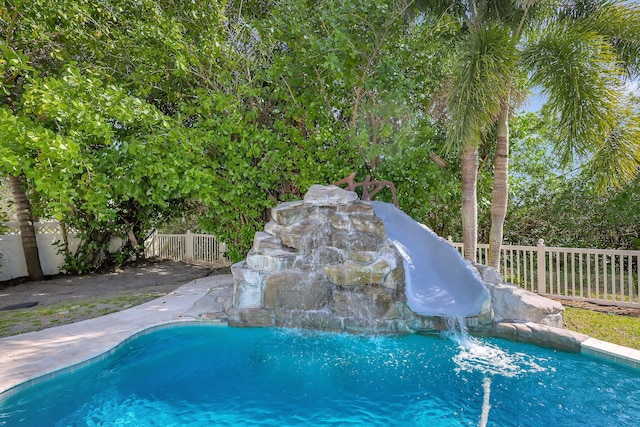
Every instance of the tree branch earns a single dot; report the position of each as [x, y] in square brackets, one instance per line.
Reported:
[12, 24]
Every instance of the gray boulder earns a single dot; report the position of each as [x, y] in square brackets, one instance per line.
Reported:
[513, 304]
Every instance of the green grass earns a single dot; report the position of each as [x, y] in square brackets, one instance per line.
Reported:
[614, 328]
[14, 322]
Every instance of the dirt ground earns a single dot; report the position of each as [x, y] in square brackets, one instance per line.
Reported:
[150, 277]
[29, 306]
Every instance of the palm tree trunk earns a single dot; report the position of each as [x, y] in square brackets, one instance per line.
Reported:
[500, 194]
[27, 231]
[469, 201]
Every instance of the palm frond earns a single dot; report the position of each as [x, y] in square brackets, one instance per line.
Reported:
[620, 21]
[617, 161]
[481, 83]
[577, 70]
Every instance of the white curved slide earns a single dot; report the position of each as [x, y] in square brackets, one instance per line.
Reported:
[439, 281]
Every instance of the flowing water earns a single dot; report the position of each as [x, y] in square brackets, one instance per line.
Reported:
[219, 376]
[489, 360]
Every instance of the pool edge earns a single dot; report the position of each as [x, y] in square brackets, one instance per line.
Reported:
[610, 352]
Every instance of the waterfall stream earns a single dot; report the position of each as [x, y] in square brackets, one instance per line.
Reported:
[489, 360]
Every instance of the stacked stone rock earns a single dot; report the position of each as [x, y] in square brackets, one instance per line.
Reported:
[324, 262]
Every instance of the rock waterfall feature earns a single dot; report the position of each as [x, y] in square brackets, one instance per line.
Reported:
[326, 262]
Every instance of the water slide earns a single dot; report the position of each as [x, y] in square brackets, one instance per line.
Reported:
[439, 281]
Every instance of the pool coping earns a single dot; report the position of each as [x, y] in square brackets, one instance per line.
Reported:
[36, 356]
[611, 352]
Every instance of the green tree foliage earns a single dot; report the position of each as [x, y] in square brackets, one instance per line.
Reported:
[335, 84]
[96, 157]
[575, 215]
[122, 117]
[132, 165]
[4, 217]
[562, 205]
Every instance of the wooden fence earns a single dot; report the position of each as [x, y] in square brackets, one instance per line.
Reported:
[604, 276]
[189, 247]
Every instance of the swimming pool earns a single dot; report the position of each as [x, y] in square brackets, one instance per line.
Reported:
[203, 376]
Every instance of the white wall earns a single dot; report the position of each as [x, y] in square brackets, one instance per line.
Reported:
[13, 264]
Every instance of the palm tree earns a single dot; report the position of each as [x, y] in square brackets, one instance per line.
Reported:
[578, 53]
[479, 91]
[27, 231]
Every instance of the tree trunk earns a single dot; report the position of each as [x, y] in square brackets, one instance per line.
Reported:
[500, 194]
[27, 231]
[469, 201]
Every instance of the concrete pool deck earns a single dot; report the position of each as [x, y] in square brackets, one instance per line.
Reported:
[28, 358]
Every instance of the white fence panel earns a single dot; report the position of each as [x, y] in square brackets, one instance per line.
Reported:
[200, 248]
[605, 276]
[13, 262]
[166, 246]
[208, 250]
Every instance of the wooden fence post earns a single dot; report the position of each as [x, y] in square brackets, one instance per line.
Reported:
[542, 268]
[154, 237]
[188, 247]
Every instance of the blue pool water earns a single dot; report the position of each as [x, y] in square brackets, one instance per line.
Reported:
[219, 376]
